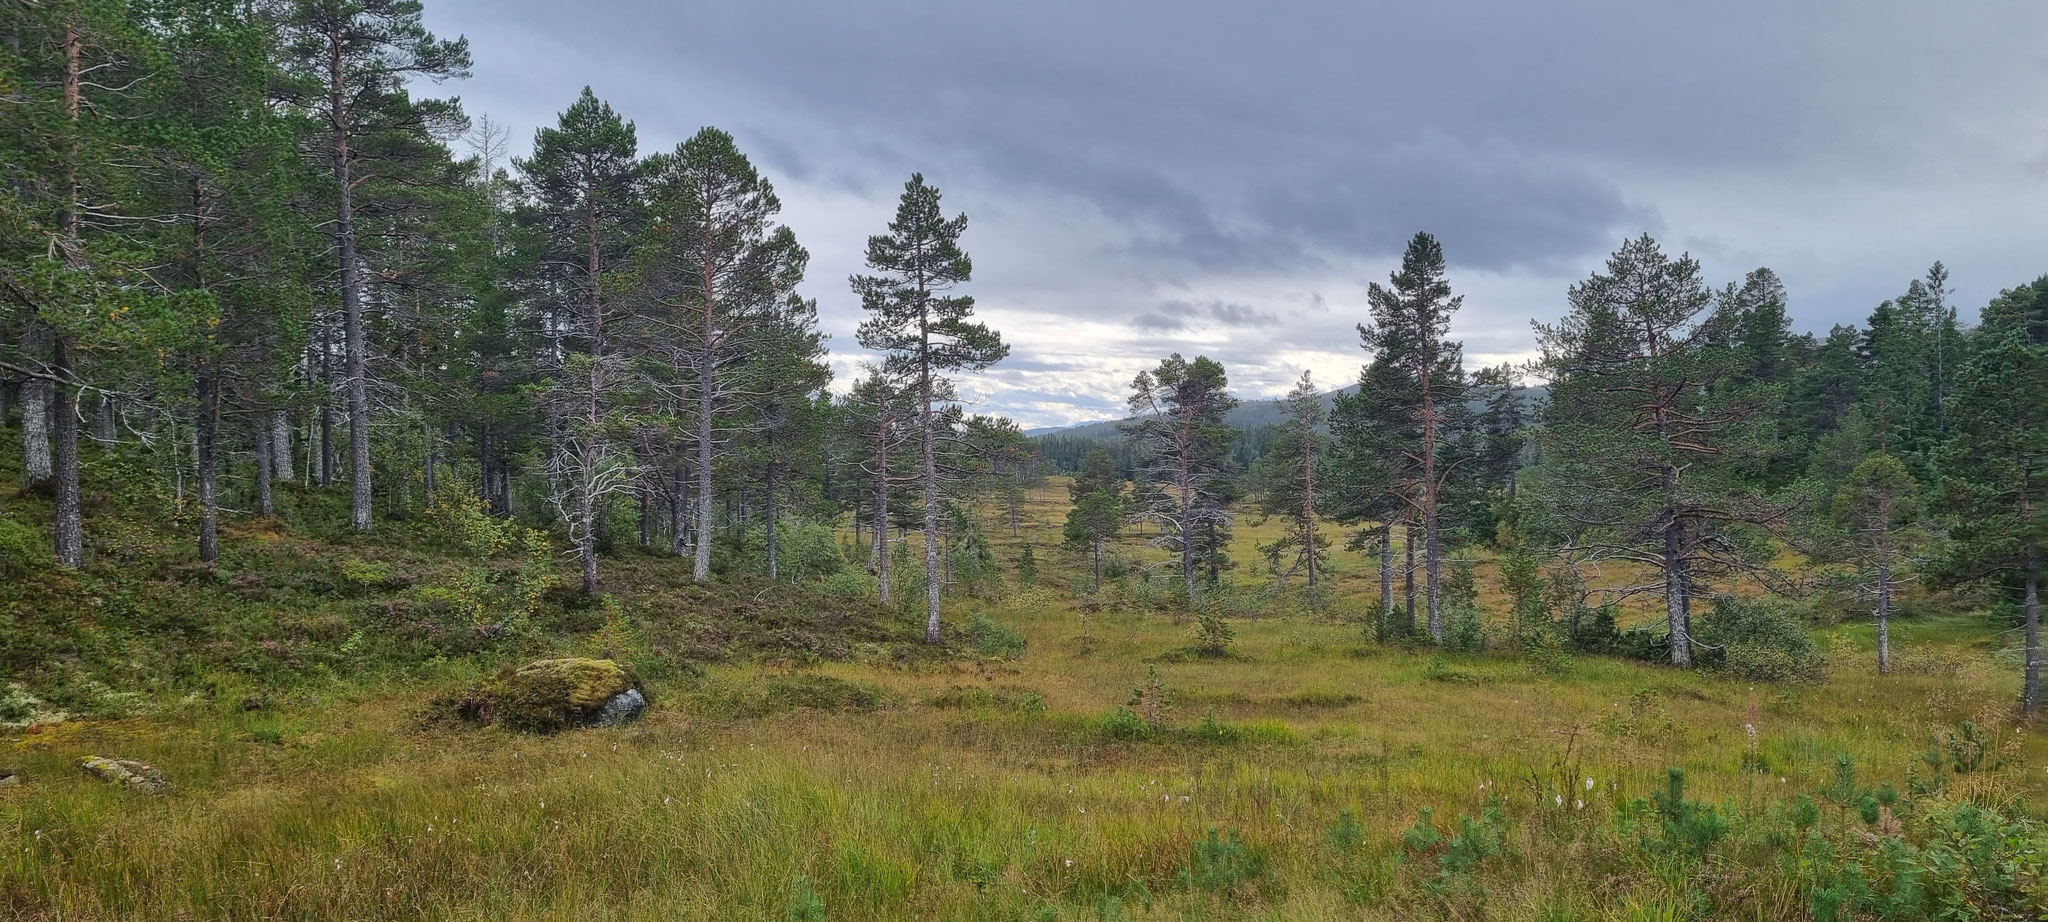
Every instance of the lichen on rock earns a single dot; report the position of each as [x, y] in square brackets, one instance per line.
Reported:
[553, 695]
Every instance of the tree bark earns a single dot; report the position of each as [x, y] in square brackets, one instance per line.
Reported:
[1432, 550]
[1408, 577]
[281, 446]
[354, 347]
[70, 532]
[1387, 572]
[882, 518]
[266, 497]
[2030, 687]
[38, 468]
[930, 460]
[678, 523]
[207, 437]
[1677, 607]
[326, 474]
[774, 549]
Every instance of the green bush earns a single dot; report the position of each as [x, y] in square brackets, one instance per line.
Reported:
[1464, 631]
[1764, 639]
[991, 639]
[810, 550]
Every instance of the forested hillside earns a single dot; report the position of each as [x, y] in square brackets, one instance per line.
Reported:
[353, 451]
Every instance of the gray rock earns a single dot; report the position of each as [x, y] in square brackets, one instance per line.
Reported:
[140, 776]
[621, 708]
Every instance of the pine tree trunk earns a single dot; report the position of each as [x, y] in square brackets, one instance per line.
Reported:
[70, 534]
[206, 437]
[326, 475]
[1676, 605]
[1408, 578]
[930, 460]
[1432, 549]
[678, 525]
[774, 548]
[266, 494]
[882, 518]
[37, 467]
[354, 347]
[1387, 573]
[2030, 687]
[701, 565]
[70, 530]
[281, 446]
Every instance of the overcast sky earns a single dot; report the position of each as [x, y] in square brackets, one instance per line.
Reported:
[1224, 178]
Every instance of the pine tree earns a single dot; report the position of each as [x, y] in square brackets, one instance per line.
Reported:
[717, 280]
[924, 332]
[350, 62]
[72, 267]
[1994, 467]
[1293, 484]
[1877, 509]
[877, 417]
[1373, 472]
[1645, 427]
[585, 182]
[1178, 433]
[1409, 320]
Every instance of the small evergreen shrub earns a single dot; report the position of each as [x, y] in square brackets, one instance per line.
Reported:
[990, 639]
[1220, 863]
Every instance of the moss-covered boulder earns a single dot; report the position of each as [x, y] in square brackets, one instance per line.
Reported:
[552, 695]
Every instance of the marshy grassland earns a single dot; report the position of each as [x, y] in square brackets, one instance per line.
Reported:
[1107, 771]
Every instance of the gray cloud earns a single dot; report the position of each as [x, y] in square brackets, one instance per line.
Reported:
[1128, 166]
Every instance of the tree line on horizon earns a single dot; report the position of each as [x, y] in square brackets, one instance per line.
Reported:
[1686, 436]
[239, 253]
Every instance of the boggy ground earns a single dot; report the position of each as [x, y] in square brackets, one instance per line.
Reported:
[903, 787]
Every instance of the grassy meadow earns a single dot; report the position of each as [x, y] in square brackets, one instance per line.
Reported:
[1311, 774]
